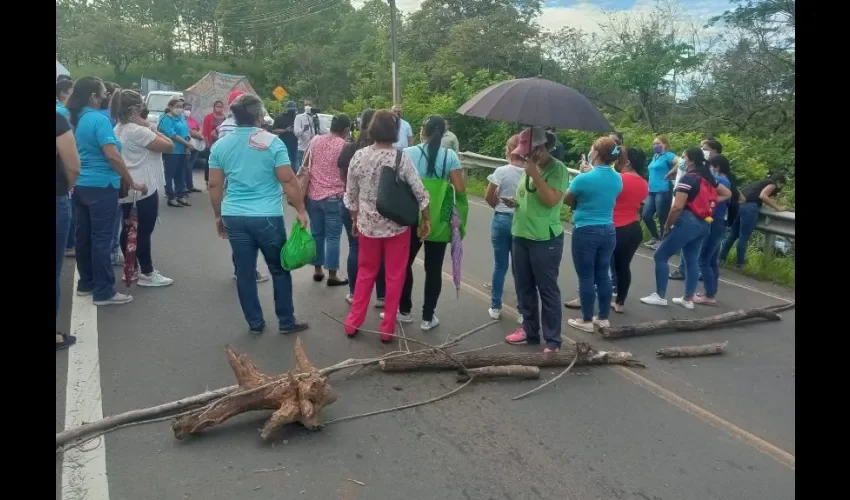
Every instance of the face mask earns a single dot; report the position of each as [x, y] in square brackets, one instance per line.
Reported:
[706, 153]
[187, 113]
[658, 148]
[307, 109]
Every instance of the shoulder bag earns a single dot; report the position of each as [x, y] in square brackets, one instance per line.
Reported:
[395, 200]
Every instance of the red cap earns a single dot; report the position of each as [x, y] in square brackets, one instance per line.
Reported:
[529, 139]
[233, 95]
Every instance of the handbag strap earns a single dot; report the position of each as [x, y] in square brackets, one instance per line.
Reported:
[397, 163]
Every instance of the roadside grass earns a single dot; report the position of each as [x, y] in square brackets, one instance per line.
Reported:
[774, 268]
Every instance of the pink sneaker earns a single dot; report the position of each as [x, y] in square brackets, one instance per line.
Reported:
[550, 350]
[516, 338]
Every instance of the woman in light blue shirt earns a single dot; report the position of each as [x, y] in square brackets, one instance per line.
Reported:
[96, 192]
[660, 197]
[254, 164]
[173, 125]
[592, 197]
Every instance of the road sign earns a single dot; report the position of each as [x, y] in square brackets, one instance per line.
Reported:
[280, 93]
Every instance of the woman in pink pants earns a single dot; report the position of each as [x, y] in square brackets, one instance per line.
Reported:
[379, 237]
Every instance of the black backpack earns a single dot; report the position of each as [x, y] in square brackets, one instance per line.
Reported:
[395, 200]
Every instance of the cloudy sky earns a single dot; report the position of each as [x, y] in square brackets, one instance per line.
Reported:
[585, 14]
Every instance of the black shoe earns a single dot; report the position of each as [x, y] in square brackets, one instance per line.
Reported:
[258, 329]
[174, 203]
[337, 282]
[67, 341]
[676, 276]
[183, 202]
[318, 277]
[195, 190]
[297, 327]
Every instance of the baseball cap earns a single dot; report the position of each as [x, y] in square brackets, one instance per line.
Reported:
[233, 95]
[529, 139]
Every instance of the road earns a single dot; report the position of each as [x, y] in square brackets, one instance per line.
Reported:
[704, 428]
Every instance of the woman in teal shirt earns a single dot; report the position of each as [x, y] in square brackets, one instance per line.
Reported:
[660, 197]
[592, 196]
[96, 192]
[173, 125]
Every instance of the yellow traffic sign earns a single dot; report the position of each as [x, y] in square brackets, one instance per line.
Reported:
[280, 93]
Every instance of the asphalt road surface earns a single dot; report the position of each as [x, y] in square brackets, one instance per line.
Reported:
[697, 429]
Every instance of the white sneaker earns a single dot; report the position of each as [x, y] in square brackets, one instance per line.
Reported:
[651, 243]
[654, 300]
[687, 304]
[427, 325]
[81, 293]
[580, 324]
[379, 304]
[117, 299]
[494, 313]
[154, 279]
[401, 318]
[602, 323]
[349, 298]
[519, 319]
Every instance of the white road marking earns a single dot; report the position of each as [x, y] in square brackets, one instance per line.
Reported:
[84, 467]
[649, 257]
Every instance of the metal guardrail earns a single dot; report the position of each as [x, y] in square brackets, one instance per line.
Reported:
[771, 222]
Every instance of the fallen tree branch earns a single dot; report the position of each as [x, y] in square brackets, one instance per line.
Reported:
[422, 361]
[691, 325]
[513, 371]
[71, 438]
[690, 351]
[544, 384]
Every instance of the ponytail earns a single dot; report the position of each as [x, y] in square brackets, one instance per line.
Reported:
[433, 128]
[702, 169]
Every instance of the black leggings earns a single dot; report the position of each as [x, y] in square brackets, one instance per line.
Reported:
[434, 254]
[147, 209]
[628, 241]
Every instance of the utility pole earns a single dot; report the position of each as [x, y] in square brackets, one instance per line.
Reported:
[393, 48]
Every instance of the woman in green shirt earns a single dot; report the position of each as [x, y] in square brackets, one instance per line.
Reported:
[538, 239]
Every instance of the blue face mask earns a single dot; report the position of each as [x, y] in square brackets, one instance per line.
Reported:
[658, 148]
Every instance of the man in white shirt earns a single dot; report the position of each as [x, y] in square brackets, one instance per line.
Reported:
[306, 127]
[405, 131]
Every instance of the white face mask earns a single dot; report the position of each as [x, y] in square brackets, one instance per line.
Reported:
[307, 109]
[186, 113]
[706, 153]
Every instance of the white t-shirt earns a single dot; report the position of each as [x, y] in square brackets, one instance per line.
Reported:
[143, 164]
[507, 179]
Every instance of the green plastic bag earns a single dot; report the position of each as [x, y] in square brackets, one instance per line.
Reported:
[443, 200]
[299, 250]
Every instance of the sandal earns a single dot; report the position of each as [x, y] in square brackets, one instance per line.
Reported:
[318, 277]
[617, 308]
[67, 341]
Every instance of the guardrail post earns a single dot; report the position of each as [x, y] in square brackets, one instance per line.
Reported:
[769, 245]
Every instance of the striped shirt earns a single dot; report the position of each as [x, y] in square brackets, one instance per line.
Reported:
[226, 127]
[144, 165]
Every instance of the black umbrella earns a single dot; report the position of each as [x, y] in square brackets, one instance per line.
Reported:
[537, 102]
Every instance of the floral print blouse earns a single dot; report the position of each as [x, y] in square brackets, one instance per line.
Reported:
[361, 193]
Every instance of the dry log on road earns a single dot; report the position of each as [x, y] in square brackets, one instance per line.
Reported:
[690, 325]
[690, 351]
[437, 361]
[293, 398]
[514, 371]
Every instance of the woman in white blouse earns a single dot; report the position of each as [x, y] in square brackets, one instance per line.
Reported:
[141, 148]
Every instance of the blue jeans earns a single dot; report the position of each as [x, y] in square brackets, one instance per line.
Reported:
[536, 264]
[592, 248]
[500, 236]
[742, 228]
[296, 162]
[71, 242]
[190, 164]
[326, 228]
[687, 235]
[116, 242]
[709, 256]
[63, 227]
[97, 209]
[354, 254]
[175, 175]
[268, 235]
[656, 203]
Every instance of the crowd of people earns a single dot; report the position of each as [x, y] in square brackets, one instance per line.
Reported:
[110, 158]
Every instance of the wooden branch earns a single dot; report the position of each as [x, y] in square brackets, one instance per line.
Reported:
[293, 399]
[690, 351]
[690, 325]
[544, 384]
[421, 361]
[515, 371]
